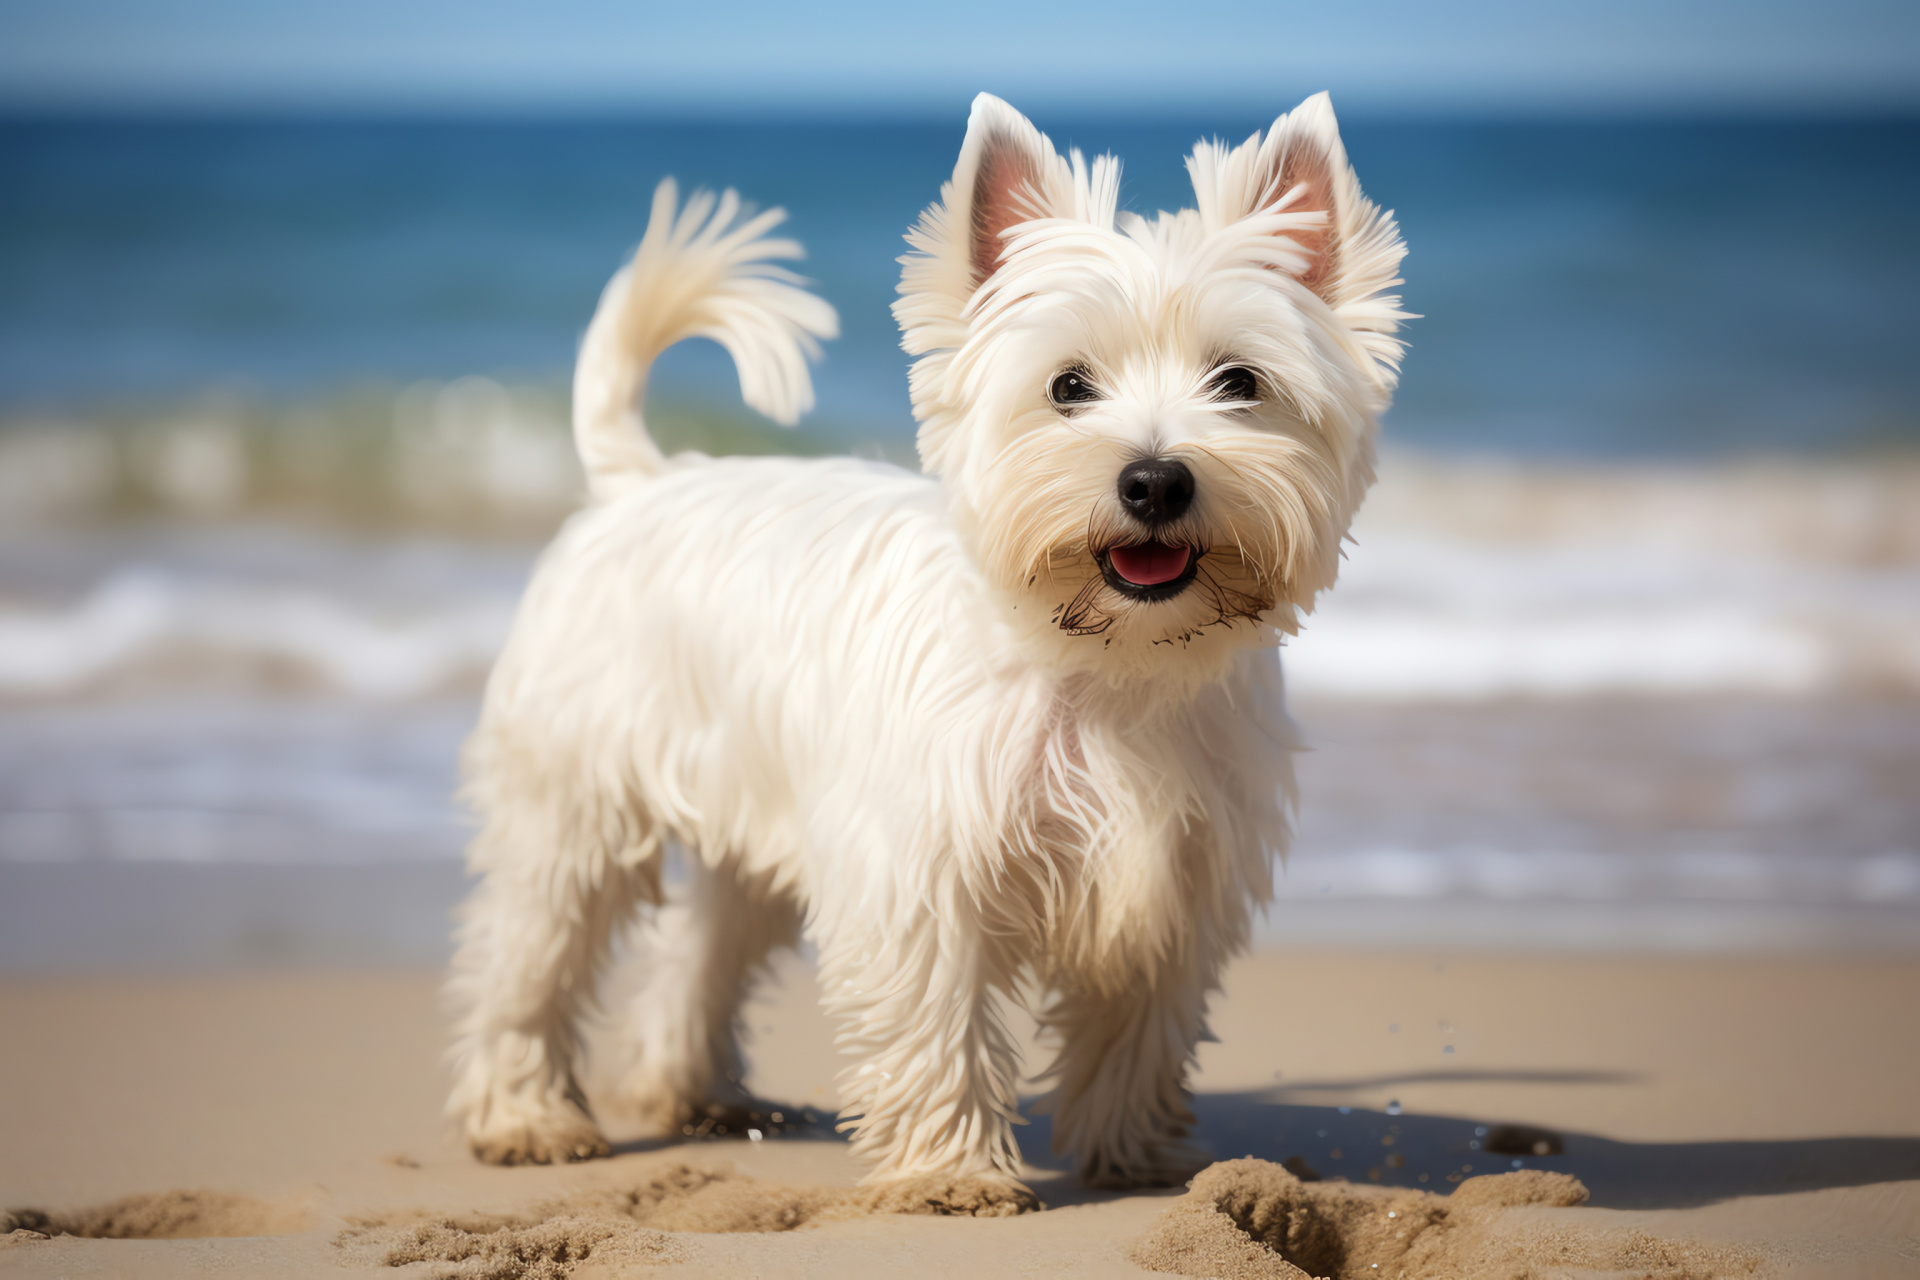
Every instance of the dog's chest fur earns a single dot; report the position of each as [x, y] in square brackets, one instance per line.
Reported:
[1148, 817]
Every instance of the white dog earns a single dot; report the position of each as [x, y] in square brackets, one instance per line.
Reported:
[1013, 727]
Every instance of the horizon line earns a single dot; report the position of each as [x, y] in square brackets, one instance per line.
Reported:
[1353, 107]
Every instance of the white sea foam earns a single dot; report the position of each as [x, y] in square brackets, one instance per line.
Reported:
[1464, 582]
[1412, 618]
[257, 781]
[1889, 878]
[191, 630]
[232, 780]
[1426, 617]
[1471, 582]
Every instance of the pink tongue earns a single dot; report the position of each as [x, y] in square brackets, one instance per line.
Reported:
[1149, 564]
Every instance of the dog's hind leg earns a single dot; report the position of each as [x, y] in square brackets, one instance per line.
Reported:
[561, 872]
[699, 958]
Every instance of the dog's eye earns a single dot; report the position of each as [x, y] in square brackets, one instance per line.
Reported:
[1235, 383]
[1071, 387]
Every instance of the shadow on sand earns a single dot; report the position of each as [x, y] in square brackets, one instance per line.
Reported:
[1397, 1150]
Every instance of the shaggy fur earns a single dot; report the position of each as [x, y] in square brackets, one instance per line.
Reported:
[919, 719]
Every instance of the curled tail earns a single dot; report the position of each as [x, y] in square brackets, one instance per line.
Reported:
[698, 273]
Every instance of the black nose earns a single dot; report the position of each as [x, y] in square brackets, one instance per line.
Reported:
[1156, 490]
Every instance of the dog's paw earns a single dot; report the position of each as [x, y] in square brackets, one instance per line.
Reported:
[546, 1140]
[1170, 1163]
[964, 1195]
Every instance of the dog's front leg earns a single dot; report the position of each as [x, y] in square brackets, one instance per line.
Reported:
[933, 1096]
[1119, 1100]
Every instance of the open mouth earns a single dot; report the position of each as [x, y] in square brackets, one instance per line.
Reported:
[1149, 570]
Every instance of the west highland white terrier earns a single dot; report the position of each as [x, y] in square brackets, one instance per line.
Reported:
[1011, 729]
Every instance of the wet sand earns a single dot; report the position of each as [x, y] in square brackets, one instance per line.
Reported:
[1760, 1108]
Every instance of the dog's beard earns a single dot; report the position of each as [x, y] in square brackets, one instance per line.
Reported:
[1221, 588]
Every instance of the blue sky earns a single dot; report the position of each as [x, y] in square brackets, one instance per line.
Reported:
[1609, 55]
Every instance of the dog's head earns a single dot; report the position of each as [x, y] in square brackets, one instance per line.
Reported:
[1153, 433]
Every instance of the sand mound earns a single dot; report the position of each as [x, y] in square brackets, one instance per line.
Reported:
[958, 1197]
[692, 1198]
[708, 1200]
[545, 1250]
[1252, 1220]
[621, 1224]
[163, 1215]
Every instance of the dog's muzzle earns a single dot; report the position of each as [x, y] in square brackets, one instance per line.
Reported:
[1156, 492]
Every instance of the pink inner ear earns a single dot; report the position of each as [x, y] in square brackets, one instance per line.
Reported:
[998, 203]
[1303, 166]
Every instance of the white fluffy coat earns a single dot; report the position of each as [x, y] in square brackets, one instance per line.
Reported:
[907, 715]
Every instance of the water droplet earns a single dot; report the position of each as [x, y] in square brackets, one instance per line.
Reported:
[1393, 1108]
[1276, 1075]
[1392, 1214]
[1448, 1049]
[755, 1135]
[1474, 1145]
[1393, 1028]
[1516, 1164]
[1346, 1111]
[1319, 1133]
[1479, 1131]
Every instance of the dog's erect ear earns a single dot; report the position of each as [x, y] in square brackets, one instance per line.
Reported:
[1295, 193]
[1008, 173]
[1303, 157]
[1299, 168]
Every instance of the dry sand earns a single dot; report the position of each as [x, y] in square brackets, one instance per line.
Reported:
[1724, 1116]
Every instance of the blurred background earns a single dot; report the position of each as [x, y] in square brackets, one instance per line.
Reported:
[1626, 654]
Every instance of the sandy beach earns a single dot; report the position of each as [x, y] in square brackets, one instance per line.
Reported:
[1727, 1115]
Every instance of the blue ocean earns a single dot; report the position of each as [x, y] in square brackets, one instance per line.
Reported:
[1625, 650]
[1680, 288]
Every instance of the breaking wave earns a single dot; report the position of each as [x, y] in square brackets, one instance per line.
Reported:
[1488, 580]
[143, 620]
[1465, 581]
